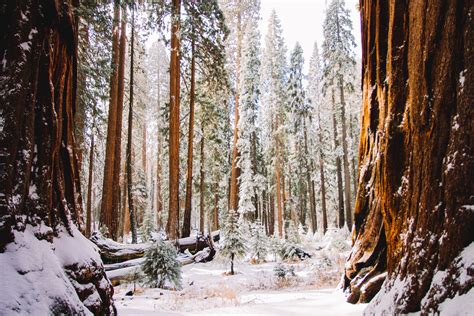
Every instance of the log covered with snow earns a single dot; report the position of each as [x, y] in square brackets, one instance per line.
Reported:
[130, 270]
[115, 252]
[197, 243]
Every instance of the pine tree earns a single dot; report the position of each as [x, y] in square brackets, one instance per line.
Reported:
[233, 244]
[206, 31]
[238, 13]
[318, 128]
[272, 110]
[259, 242]
[338, 57]
[298, 117]
[249, 96]
[161, 265]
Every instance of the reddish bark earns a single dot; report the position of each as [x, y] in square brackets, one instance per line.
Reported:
[118, 126]
[172, 227]
[412, 214]
[107, 216]
[186, 231]
[39, 174]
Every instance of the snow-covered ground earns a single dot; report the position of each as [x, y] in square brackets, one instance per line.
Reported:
[255, 289]
[207, 289]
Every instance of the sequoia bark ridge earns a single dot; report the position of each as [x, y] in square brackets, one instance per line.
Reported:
[413, 213]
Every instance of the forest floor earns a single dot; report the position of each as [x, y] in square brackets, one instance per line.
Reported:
[207, 288]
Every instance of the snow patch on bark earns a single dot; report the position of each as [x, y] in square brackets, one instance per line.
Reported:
[41, 274]
[33, 279]
[451, 290]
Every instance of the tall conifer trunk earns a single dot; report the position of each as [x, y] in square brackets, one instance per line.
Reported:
[131, 208]
[108, 218]
[340, 192]
[309, 181]
[172, 226]
[40, 192]
[345, 159]
[413, 214]
[202, 189]
[90, 179]
[189, 176]
[159, 198]
[118, 127]
[235, 170]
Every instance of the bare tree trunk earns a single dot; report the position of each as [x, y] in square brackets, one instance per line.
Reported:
[310, 183]
[413, 214]
[271, 224]
[144, 145]
[215, 222]
[80, 113]
[255, 169]
[90, 179]
[159, 198]
[340, 196]
[284, 205]
[186, 230]
[202, 189]
[125, 213]
[172, 226]
[322, 178]
[108, 218]
[278, 192]
[131, 209]
[118, 128]
[39, 174]
[345, 160]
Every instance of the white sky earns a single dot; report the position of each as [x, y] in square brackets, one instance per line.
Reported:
[302, 21]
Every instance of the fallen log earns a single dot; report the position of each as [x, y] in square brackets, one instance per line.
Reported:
[198, 242]
[124, 275]
[130, 270]
[125, 264]
[114, 252]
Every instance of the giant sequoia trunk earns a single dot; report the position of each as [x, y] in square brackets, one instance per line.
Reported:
[118, 125]
[40, 196]
[172, 227]
[108, 215]
[413, 214]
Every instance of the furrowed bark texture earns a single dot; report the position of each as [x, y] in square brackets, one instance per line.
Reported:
[413, 214]
[118, 126]
[186, 231]
[40, 196]
[108, 218]
[172, 227]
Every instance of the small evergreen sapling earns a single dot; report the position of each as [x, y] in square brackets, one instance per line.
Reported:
[161, 265]
[148, 226]
[233, 244]
[258, 242]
